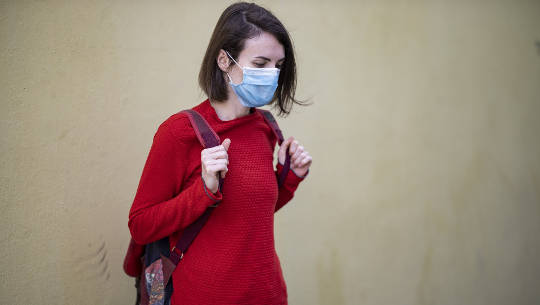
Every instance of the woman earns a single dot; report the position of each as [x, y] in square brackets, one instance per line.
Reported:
[233, 259]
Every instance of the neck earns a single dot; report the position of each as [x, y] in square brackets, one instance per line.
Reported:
[230, 109]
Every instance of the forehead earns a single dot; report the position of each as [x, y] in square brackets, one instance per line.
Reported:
[263, 45]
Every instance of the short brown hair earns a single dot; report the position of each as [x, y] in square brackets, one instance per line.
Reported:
[239, 22]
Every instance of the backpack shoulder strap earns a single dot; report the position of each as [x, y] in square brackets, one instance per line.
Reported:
[160, 249]
[208, 138]
[270, 120]
[206, 135]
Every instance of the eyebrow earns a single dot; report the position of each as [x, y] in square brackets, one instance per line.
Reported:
[268, 59]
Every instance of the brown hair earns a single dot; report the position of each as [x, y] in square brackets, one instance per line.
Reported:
[239, 22]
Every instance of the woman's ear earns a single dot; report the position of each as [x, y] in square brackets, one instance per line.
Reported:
[223, 61]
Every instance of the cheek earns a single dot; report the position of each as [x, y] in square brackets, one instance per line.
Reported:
[236, 75]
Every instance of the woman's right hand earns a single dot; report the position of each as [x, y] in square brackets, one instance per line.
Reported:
[213, 161]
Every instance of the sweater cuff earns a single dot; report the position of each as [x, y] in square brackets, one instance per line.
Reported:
[215, 197]
[291, 175]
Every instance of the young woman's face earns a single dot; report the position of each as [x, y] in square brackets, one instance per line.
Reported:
[263, 51]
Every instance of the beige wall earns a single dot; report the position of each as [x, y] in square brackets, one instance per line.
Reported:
[425, 184]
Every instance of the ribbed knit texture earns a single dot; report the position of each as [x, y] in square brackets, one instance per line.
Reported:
[233, 259]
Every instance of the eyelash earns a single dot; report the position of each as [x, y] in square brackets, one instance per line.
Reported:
[262, 65]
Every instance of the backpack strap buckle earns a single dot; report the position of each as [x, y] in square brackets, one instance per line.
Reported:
[178, 255]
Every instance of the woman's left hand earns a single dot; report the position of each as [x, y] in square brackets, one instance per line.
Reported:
[300, 158]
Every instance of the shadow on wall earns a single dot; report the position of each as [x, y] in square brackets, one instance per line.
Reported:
[330, 275]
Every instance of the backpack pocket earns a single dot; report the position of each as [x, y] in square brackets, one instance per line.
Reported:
[155, 284]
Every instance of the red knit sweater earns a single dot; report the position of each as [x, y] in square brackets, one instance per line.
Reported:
[233, 259]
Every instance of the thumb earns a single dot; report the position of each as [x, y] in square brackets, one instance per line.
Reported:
[283, 149]
[226, 143]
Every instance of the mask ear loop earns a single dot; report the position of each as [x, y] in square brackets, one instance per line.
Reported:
[230, 79]
[233, 59]
[235, 63]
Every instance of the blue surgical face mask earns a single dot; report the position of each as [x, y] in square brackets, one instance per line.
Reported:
[257, 87]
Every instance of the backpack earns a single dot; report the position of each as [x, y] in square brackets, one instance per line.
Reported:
[153, 264]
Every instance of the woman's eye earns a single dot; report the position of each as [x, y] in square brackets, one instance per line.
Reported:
[259, 65]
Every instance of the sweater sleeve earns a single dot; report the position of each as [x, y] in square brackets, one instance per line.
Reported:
[156, 211]
[286, 191]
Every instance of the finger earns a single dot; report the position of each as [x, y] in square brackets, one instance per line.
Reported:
[298, 157]
[308, 160]
[212, 149]
[220, 167]
[220, 154]
[215, 168]
[217, 147]
[215, 152]
[305, 160]
[223, 173]
[294, 145]
[283, 148]
[288, 141]
[297, 153]
[217, 161]
[226, 143]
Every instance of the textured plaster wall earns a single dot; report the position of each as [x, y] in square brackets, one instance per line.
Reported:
[425, 135]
